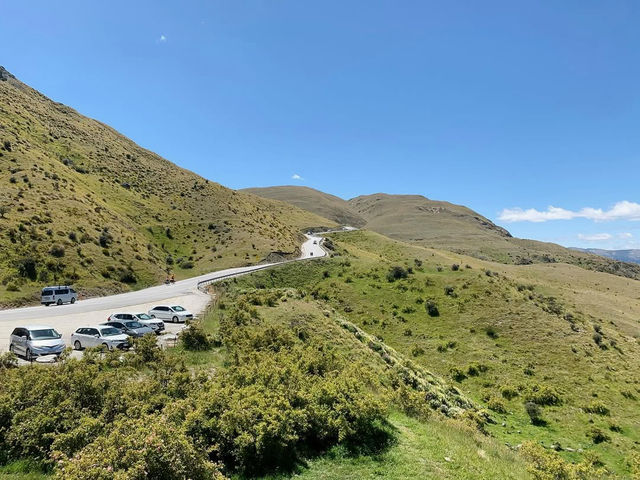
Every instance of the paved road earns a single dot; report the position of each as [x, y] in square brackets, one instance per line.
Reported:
[67, 318]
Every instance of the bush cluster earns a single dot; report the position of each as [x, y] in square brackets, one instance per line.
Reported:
[144, 415]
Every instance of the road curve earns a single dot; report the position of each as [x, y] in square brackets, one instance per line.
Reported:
[66, 318]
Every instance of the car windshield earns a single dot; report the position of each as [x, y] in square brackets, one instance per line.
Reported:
[178, 308]
[109, 331]
[133, 324]
[143, 316]
[44, 334]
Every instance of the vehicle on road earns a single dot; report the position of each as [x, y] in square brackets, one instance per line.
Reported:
[315, 242]
[132, 328]
[35, 340]
[155, 323]
[59, 294]
[99, 336]
[174, 313]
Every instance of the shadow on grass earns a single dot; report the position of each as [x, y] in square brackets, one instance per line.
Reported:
[372, 443]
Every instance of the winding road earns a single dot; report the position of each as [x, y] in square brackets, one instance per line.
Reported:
[67, 318]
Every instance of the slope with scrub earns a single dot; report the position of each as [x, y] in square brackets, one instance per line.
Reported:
[83, 204]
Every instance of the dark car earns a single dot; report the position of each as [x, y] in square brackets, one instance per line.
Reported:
[132, 328]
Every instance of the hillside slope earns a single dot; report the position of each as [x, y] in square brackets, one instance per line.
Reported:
[431, 223]
[631, 255]
[554, 335]
[83, 204]
[323, 204]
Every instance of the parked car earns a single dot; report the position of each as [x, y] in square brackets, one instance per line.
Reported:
[35, 340]
[173, 314]
[58, 295]
[99, 335]
[155, 323]
[132, 328]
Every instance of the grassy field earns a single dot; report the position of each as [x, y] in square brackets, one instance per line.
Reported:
[560, 336]
[83, 204]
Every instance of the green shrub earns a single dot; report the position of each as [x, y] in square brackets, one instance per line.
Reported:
[150, 447]
[548, 465]
[543, 395]
[598, 407]
[535, 413]
[431, 308]
[475, 369]
[509, 392]
[496, 405]
[491, 332]
[26, 267]
[457, 374]
[263, 413]
[127, 275]
[396, 273]
[194, 337]
[57, 251]
[8, 360]
[597, 435]
[416, 351]
[105, 239]
[13, 287]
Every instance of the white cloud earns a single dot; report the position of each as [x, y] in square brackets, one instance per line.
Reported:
[624, 210]
[295, 176]
[162, 39]
[625, 235]
[595, 237]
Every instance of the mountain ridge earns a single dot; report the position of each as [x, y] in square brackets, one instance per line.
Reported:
[444, 225]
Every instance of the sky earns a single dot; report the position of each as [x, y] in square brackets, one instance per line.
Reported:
[527, 112]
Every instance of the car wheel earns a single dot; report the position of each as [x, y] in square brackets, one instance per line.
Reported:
[47, 304]
[59, 302]
[11, 349]
[105, 347]
[174, 319]
[73, 300]
[28, 355]
[76, 345]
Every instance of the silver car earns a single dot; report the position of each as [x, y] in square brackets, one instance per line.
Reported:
[173, 314]
[132, 328]
[34, 340]
[99, 336]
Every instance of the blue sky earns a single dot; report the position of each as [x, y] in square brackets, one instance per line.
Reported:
[495, 105]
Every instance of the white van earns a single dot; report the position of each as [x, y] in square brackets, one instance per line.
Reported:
[58, 295]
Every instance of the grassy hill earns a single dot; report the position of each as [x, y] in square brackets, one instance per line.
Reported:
[385, 359]
[431, 223]
[323, 204]
[561, 337]
[83, 204]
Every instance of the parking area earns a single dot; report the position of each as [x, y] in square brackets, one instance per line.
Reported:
[67, 323]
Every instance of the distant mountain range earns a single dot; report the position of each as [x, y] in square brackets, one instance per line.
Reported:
[632, 256]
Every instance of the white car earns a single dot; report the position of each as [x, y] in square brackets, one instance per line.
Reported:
[174, 313]
[99, 336]
[155, 324]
